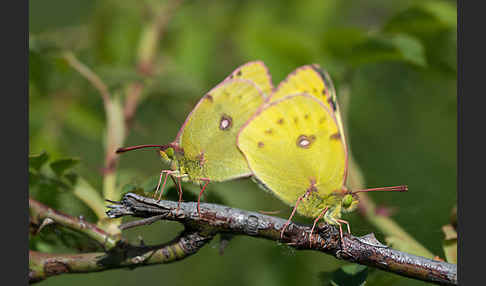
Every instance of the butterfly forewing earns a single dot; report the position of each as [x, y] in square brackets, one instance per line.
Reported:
[257, 72]
[208, 137]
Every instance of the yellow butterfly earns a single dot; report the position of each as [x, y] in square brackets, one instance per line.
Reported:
[295, 148]
[205, 149]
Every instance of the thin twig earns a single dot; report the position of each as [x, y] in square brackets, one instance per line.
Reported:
[92, 77]
[145, 221]
[40, 212]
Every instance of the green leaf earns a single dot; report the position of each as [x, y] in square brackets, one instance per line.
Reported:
[347, 275]
[381, 48]
[37, 161]
[424, 19]
[62, 165]
[410, 48]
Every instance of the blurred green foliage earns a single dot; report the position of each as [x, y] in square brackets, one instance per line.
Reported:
[396, 58]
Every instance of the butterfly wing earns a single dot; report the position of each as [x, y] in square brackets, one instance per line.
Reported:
[293, 144]
[313, 80]
[208, 137]
[257, 72]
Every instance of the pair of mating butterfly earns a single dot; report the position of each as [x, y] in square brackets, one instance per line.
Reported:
[289, 139]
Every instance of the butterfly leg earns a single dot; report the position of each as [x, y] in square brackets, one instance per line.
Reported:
[346, 223]
[200, 194]
[179, 185]
[291, 215]
[314, 225]
[307, 193]
[167, 173]
[339, 221]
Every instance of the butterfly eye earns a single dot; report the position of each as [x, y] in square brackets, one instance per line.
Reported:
[167, 154]
[347, 201]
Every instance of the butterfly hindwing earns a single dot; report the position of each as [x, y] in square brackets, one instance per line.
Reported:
[208, 137]
[293, 144]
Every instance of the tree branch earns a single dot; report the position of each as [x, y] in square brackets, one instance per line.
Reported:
[119, 253]
[215, 219]
[87, 73]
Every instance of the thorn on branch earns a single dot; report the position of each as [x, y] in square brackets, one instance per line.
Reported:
[45, 222]
[140, 222]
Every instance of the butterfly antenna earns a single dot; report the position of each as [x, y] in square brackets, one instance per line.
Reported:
[126, 149]
[402, 188]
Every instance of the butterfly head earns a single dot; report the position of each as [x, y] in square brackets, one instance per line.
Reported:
[172, 155]
[349, 202]
[168, 155]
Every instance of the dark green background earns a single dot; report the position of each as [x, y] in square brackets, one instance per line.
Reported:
[396, 58]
